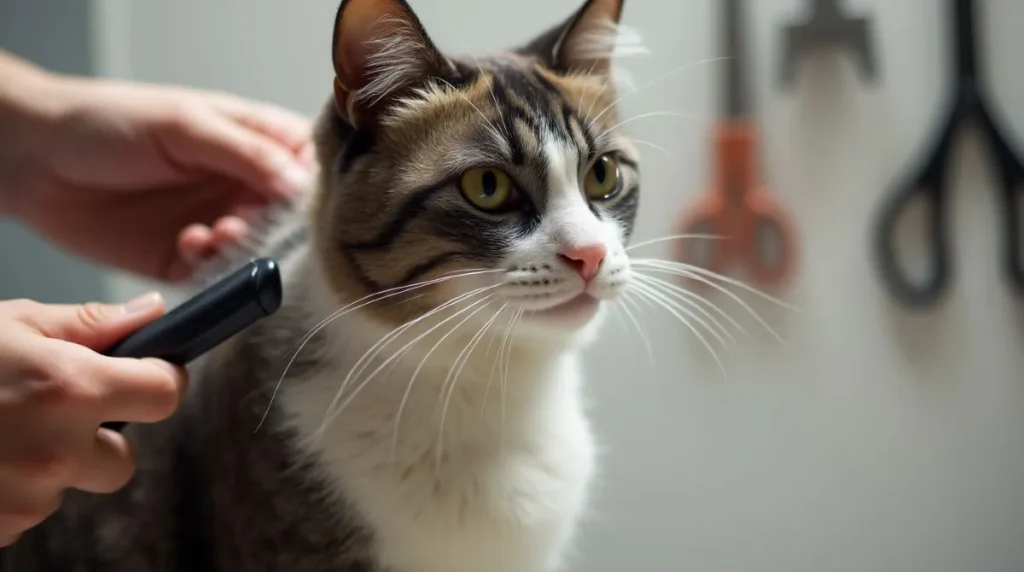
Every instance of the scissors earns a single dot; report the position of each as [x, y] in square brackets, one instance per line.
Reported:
[828, 26]
[738, 210]
[931, 182]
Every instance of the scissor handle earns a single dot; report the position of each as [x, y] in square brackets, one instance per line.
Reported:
[739, 231]
[900, 286]
[705, 219]
[1014, 252]
[769, 221]
[1012, 182]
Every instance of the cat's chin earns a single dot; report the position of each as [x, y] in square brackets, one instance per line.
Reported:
[567, 322]
[575, 312]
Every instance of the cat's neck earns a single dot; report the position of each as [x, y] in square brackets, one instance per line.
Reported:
[478, 396]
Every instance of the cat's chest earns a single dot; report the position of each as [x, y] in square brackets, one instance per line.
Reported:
[509, 487]
[512, 514]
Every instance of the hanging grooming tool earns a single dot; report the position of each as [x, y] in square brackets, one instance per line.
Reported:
[828, 27]
[204, 321]
[738, 210]
[931, 183]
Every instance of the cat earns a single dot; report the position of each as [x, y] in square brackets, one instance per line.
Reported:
[479, 206]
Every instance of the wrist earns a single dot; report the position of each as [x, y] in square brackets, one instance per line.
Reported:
[30, 108]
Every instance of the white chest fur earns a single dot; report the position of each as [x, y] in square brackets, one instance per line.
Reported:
[509, 483]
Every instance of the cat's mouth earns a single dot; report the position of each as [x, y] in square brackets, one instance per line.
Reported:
[577, 309]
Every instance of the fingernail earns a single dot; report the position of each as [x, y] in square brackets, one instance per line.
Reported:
[296, 178]
[142, 303]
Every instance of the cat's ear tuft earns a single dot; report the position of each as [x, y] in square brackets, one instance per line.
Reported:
[380, 52]
[587, 41]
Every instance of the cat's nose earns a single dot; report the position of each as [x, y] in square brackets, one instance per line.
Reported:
[586, 259]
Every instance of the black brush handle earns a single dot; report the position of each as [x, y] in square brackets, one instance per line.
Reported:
[206, 320]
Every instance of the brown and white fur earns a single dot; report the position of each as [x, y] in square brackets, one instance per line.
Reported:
[462, 445]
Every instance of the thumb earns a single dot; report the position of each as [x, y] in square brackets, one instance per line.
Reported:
[94, 325]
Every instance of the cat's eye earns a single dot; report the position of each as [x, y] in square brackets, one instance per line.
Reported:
[602, 180]
[487, 188]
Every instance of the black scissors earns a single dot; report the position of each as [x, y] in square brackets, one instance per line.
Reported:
[969, 101]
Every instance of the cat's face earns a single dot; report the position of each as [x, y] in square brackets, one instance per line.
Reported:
[504, 179]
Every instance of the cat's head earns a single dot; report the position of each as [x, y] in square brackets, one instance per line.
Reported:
[505, 172]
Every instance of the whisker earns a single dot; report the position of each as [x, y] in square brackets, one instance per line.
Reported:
[662, 77]
[651, 145]
[672, 265]
[675, 114]
[351, 307]
[643, 337]
[401, 351]
[695, 276]
[497, 360]
[652, 297]
[412, 379]
[682, 295]
[454, 373]
[377, 347]
[675, 237]
[504, 378]
[490, 88]
[490, 124]
[668, 302]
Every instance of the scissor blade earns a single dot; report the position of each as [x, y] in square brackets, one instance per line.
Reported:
[737, 104]
[966, 45]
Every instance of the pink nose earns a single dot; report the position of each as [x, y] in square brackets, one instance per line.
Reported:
[584, 259]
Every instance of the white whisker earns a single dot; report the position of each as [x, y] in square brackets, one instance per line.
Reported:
[647, 343]
[681, 295]
[376, 348]
[652, 265]
[662, 77]
[351, 307]
[653, 296]
[647, 115]
[675, 237]
[682, 267]
[402, 350]
[453, 374]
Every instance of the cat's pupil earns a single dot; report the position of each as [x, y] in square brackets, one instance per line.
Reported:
[599, 171]
[490, 183]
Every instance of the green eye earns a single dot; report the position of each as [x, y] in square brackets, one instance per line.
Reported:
[486, 188]
[602, 180]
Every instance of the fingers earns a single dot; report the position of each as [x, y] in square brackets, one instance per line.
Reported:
[287, 127]
[135, 390]
[93, 325]
[198, 243]
[23, 507]
[106, 465]
[204, 139]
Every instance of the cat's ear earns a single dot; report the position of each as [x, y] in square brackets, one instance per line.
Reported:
[585, 42]
[380, 51]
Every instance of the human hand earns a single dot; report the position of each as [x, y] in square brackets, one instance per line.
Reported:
[152, 179]
[56, 390]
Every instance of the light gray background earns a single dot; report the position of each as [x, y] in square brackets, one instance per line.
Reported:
[875, 441]
[56, 34]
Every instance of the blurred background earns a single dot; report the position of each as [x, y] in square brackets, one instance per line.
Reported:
[876, 439]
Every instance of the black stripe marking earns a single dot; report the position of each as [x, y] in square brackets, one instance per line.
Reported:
[430, 264]
[412, 208]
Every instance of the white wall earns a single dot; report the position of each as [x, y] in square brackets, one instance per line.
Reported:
[877, 440]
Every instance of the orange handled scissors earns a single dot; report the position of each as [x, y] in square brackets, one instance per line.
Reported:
[738, 211]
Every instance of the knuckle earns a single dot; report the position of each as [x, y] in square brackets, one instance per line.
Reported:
[20, 307]
[91, 314]
[180, 118]
[63, 384]
[167, 395]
